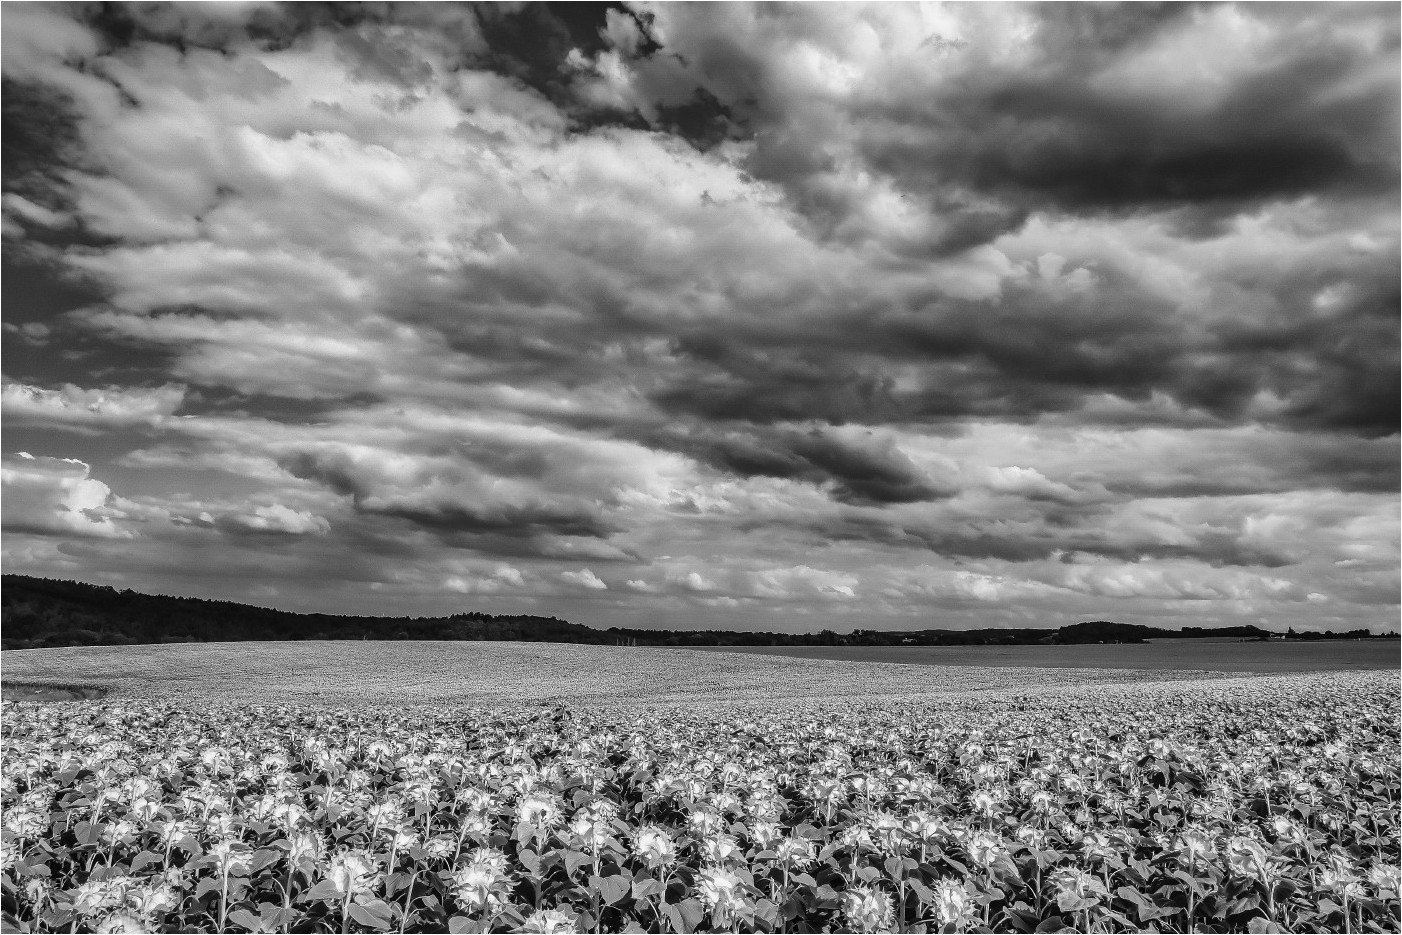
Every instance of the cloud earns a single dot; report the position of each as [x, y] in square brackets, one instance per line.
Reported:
[26, 211]
[979, 110]
[584, 578]
[514, 520]
[73, 406]
[56, 497]
[1032, 484]
[863, 466]
[837, 309]
[947, 587]
[802, 582]
[1176, 583]
[480, 581]
[274, 519]
[695, 581]
[379, 255]
[479, 477]
[978, 137]
[33, 332]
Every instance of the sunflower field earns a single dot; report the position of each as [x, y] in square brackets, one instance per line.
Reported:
[1258, 805]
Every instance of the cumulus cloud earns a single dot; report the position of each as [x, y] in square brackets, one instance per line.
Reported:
[801, 581]
[482, 581]
[584, 578]
[56, 497]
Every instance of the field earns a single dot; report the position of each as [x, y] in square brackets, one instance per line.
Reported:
[1212, 655]
[530, 787]
[488, 673]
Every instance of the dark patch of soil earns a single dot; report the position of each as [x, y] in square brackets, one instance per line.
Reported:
[24, 692]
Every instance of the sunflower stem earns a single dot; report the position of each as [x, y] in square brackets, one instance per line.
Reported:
[223, 898]
[408, 899]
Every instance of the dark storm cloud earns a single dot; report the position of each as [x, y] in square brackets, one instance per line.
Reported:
[1313, 120]
[862, 469]
[1026, 355]
[957, 383]
[1031, 355]
[1091, 158]
[1329, 462]
[739, 377]
[1009, 546]
[1024, 541]
[370, 36]
[451, 496]
[1348, 358]
[268, 26]
[227, 403]
[525, 521]
[1056, 130]
[1096, 346]
[1290, 130]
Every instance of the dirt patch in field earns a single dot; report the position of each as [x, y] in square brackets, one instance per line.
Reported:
[23, 692]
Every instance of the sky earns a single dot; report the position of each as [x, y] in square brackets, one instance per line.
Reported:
[775, 316]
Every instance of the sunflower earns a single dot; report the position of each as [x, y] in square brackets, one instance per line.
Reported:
[868, 909]
[548, 920]
[655, 847]
[953, 905]
[722, 892]
[541, 808]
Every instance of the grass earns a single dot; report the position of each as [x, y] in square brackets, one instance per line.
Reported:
[490, 674]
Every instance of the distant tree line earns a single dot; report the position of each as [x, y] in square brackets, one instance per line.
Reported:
[1360, 634]
[40, 612]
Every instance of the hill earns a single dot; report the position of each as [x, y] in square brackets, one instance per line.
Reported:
[41, 612]
[38, 612]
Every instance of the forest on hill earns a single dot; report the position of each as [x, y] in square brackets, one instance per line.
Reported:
[41, 612]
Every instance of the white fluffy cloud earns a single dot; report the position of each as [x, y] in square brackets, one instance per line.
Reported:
[276, 519]
[55, 496]
[73, 406]
[584, 578]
